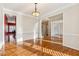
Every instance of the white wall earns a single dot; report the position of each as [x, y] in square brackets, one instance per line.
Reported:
[28, 27]
[19, 29]
[71, 27]
[1, 28]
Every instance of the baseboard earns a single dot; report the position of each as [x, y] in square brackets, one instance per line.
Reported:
[70, 47]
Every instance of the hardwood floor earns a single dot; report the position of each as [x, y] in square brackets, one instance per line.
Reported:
[39, 48]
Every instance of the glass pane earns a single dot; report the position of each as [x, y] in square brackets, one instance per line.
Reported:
[11, 28]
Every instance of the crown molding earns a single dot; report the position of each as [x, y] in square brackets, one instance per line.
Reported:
[57, 11]
[15, 12]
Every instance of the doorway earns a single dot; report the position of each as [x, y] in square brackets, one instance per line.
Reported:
[10, 28]
[52, 29]
[46, 30]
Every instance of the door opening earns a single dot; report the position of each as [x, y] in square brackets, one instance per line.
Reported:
[10, 28]
[46, 30]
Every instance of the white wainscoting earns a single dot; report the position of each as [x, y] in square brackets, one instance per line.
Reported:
[71, 40]
[27, 36]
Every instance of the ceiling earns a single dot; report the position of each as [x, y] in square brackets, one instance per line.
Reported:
[28, 8]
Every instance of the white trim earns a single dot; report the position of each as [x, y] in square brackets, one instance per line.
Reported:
[70, 34]
[3, 29]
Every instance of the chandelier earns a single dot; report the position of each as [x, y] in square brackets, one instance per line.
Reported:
[35, 12]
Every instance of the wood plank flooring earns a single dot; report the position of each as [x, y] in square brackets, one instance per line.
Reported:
[39, 48]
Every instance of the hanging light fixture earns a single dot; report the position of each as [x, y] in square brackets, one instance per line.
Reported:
[35, 13]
